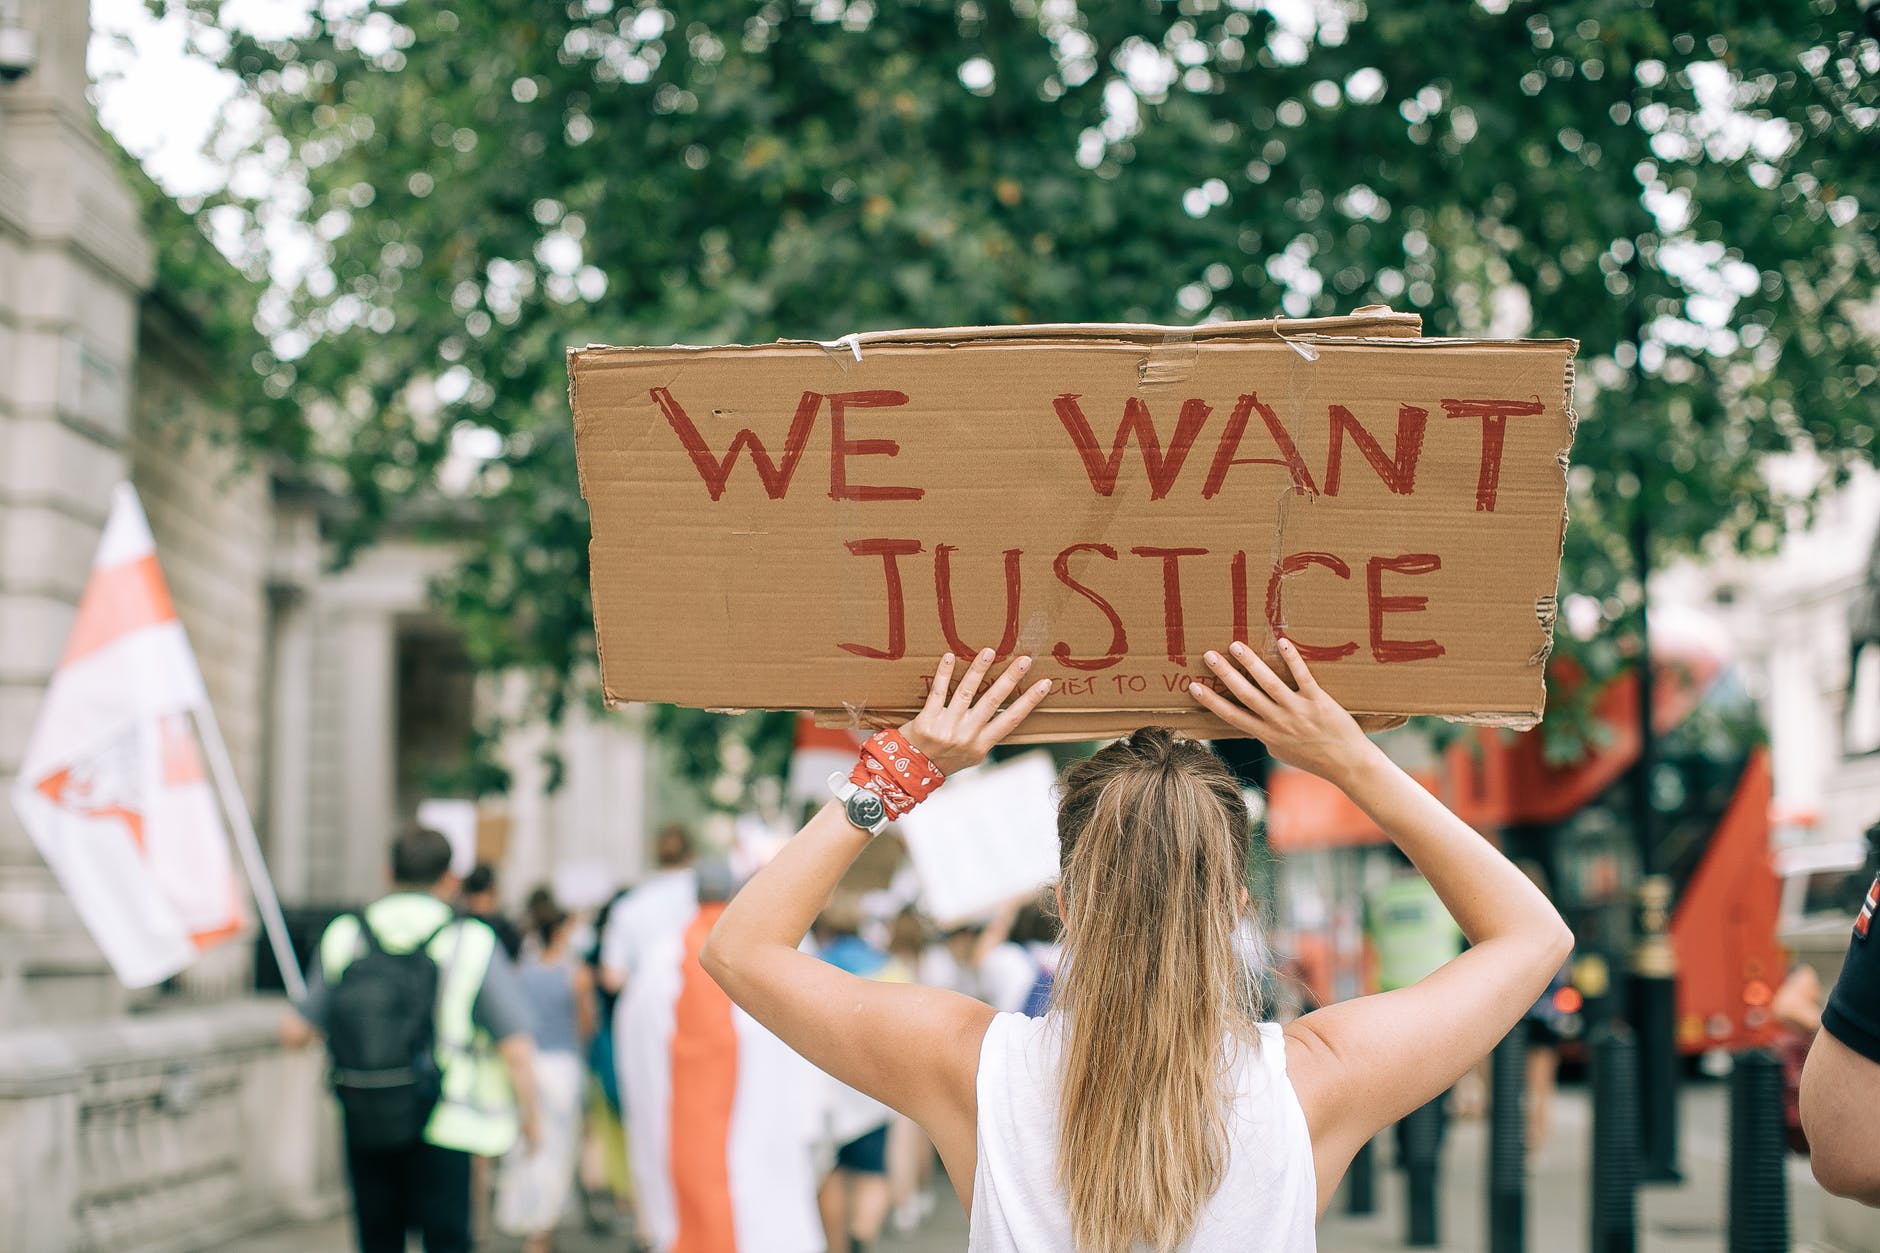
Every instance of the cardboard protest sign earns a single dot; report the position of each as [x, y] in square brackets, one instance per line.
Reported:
[809, 526]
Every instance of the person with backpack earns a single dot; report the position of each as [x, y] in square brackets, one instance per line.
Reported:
[432, 1061]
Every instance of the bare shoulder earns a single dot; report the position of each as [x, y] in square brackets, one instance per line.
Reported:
[1313, 1065]
[965, 1024]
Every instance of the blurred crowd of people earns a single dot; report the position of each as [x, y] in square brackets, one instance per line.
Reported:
[686, 1080]
[638, 1098]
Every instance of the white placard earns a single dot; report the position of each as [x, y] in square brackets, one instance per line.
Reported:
[456, 821]
[987, 836]
[582, 883]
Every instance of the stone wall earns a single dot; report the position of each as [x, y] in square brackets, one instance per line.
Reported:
[209, 509]
[161, 1133]
[73, 264]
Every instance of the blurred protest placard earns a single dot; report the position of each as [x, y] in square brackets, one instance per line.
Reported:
[989, 835]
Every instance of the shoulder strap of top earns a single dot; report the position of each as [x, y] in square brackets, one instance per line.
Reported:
[1272, 1046]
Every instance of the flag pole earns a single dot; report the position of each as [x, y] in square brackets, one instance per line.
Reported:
[235, 809]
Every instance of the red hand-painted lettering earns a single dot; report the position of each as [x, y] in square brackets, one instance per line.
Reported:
[1380, 604]
[1119, 641]
[841, 448]
[1172, 596]
[715, 471]
[943, 592]
[1162, 469]
[1293, 563]
[1494, 415]
[889, 550]
[1398, 472]
[1224, 459]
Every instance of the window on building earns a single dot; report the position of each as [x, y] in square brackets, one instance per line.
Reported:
[436, 713]
[1860, 723]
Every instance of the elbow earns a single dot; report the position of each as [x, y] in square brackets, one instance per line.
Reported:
[1560, 942]
[1551, 937]
[1838, 1087]
[1855, 1177]
[717, 958]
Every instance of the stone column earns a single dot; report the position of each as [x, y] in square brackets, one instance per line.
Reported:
[293, 576]
[368, 749]
[290, 718]
[73, 262]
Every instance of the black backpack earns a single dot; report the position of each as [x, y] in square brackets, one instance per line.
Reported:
[382, 1038]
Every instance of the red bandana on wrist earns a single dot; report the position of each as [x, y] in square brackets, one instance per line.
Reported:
[896, 771]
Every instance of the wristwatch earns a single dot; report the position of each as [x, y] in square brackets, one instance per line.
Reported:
[863, 805]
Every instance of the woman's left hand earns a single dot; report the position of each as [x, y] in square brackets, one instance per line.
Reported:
[958, 731]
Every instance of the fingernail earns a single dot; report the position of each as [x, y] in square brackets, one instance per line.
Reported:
[1285, 644]
[1023, 663]
[985, 654]
[1042, 685]
[1211, 657]
[1238, 647]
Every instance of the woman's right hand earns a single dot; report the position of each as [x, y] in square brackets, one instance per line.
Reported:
[1298, 722]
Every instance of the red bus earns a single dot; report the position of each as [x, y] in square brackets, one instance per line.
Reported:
[1711, 789]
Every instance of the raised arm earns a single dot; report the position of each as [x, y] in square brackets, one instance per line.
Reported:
[1360, 1065]
[913, 1048]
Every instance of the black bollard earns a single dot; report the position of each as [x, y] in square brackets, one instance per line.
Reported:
[1507, 1144]
[1759, 1182]
[1422, 1140]
[1361, 1183]
[1614, 1178]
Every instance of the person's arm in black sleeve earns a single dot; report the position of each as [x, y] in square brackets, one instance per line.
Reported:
[1841, 1082]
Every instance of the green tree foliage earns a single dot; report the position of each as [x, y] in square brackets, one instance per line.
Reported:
[1690, 190]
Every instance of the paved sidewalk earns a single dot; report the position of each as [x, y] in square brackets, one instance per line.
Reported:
[1683, 1219]
[944, 1232]
[1686, 1219]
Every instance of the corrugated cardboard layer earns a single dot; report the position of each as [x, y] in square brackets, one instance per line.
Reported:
[1353, 484]
[1049, 726]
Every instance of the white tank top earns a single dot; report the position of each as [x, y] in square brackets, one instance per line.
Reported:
[1268, 1200]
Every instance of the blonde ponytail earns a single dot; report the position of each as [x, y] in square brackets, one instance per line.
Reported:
[1151, 995]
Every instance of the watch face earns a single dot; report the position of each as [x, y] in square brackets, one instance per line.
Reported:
[866, 810]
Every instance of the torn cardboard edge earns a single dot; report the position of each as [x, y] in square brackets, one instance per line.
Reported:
[1370, 322]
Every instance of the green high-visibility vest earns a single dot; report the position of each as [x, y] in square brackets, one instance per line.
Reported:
[1413, 934]
[477, 1110]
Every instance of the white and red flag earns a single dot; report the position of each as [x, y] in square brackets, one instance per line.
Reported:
[113, 788]
[723, 1118]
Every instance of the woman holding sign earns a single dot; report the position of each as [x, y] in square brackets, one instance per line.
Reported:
[1150, 1108]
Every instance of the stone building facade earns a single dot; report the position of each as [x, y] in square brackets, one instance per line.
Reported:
[1796, 617]
[168, 1119]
